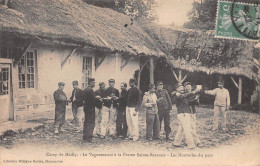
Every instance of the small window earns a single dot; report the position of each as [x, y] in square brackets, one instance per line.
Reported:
[86, 70]
[4, 81]
[26, 70]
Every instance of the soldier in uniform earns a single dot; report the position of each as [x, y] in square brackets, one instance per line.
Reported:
[184, 117]
[60, 107]
[193, 100]
[77, 104]
[134, 100]
[164, 107]
[100, 93]
[221, 105]
[121, 126]
[90, 102]
[108, 122]
[152, 118]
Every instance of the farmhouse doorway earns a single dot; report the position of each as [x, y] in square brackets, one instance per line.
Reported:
[5, 92]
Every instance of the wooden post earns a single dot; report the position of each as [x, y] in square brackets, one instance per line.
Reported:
[124, 61]
[67, 57]
[6, 2]
[184, 78]
[117, 66]
[258, 92]
[138, 79]
[15, 88]
[180, 76]
[19, 56]
[239, 91]
[139, 74]
[234, 81]
[151, 70]
[99, 61]
[12, 115]
[239, 86]
[174, 74]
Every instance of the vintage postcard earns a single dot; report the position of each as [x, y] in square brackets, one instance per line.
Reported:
[129, 82]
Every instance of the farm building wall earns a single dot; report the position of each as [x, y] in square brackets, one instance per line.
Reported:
[111, 69]
[49, 72]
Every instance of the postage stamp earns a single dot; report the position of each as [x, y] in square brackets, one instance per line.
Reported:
[237, 20]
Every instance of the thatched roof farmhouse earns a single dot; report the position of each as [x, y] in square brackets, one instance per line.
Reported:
[199, 51]
[195, 50]
[43, 42]
[78, 23]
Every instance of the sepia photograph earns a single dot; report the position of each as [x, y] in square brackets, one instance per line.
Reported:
[129, 82]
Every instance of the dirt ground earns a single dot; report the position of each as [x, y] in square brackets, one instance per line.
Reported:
[40, 146]
[240, 124]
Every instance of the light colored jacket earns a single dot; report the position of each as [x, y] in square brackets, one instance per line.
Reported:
[222, 97]
[150, 103]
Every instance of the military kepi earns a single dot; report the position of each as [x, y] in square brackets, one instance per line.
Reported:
[159, 83]
[187, 83]
[101, 83]
[111, 80]
[132, 80]
[75, 82]
[91, 79]
[61, 84]
[220, 80]
[178, 85]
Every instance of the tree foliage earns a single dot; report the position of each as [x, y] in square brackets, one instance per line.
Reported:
[133, 8]
[203, 14]
[207, 52]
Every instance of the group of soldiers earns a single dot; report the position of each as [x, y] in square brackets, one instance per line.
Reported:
[108, 112]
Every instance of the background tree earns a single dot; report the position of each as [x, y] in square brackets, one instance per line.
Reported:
[203, 14]
[133, 8]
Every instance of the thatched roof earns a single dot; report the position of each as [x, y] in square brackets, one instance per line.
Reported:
[77, 22]
[74, 21]
[195, 50]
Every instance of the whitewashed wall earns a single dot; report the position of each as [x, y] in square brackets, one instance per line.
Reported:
[50, 72]
[110, 69]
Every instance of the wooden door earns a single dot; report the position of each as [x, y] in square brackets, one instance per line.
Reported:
[5, 95]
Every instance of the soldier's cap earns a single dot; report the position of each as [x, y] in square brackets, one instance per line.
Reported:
[151, 86]
[125, 84]
[75, 82]
[101, 83]
[178, 85]
[61, 84]
[91, 79]
[111, 80]
[220, 81]
[159, 83]
[187, 83]
[132, 80]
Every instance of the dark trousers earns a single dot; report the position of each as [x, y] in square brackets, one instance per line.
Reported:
[74, 112]
[165, 115]
[60, 111]
[152, 126]
[89, 124]
[121, 125]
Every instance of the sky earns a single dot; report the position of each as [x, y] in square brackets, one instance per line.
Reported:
[173, 11]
